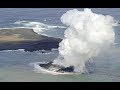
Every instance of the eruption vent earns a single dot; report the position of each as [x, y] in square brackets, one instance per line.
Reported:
[87, 35]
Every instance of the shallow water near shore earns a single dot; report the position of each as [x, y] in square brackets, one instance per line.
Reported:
[13, 75]
[18, 69]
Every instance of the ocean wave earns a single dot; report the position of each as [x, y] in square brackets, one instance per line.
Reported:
[44, 52]
[15, 28]
[21, 50]
[32, 24]
[38, 27]
[54, 49]
[53, 71]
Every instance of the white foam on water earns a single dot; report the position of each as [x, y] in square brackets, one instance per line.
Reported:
[21, 50]
[39, 69]
[38, 27]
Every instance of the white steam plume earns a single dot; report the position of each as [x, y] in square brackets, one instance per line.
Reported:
[87, 35]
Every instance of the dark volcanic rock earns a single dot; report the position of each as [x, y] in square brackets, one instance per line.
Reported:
[30, 45]
[66, 69]
[57, 67]
[46, 66]
[26, 39]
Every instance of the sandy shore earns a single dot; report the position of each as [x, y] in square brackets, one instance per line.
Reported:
[14, 37]
[19, 34]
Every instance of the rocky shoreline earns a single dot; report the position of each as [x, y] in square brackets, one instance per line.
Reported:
[27, 39]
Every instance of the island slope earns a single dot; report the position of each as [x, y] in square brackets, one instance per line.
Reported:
[27, 39]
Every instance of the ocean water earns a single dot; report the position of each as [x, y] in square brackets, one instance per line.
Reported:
[16, 65]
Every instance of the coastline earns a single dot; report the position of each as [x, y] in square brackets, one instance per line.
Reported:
[27, 39]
